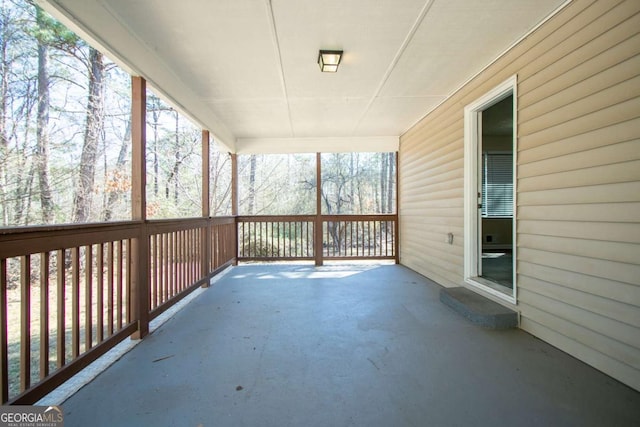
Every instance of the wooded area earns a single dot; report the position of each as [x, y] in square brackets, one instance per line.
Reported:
[65, 144]
[65, 132]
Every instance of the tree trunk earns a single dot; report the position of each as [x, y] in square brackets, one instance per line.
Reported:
[41, 157]
[20, 164]
[383, 183]
[252, 184]
[352, 177]
[391, 185]
[176, 166]
[93, 131]
[27, 193]
[4, 134]
[155, 114]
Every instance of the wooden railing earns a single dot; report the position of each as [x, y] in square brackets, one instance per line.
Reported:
[275, 238]
[292, 237]
[359, 237]
[70, 293]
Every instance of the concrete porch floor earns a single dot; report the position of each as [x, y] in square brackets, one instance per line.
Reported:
[344, 345]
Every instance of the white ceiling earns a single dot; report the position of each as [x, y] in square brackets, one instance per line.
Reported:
[246, 69]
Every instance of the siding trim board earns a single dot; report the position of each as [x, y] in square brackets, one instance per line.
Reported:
[577, 183]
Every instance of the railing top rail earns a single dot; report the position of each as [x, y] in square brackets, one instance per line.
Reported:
[275, 218]
[312, 217]
[46, 239]
[168, 225]
[360, 217]
[8, 233]
[21, 232]
[219, 220]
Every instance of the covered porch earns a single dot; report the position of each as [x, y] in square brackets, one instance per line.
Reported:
[342, 344]
[318, 343]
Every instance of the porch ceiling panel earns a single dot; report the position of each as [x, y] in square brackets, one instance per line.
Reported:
[247, 71]
[388, 114]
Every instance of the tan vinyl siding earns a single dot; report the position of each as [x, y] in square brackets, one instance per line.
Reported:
[578, 183]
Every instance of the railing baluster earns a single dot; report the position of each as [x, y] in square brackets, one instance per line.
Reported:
[127, 282]
[342, 251]
[176, 254]
[192, 258]
[186, 280]
[367, 233]
[153, 271]
[375, 239]
[170, 266]
[292, 239]
[179, 262]
[386, 238]
[25, 322]
[165, 267]
[119, 283]
[100, 294]
[88, 296]
[158, 268]
[61, 330]
[278, 237]
[183, 260]
[273, 248]
[4, 357]
[75, 302]
[110, 273]
[350, 238]
[195, 272]
[215, 236]
[169, 270]
[189, 260]
[44, 314]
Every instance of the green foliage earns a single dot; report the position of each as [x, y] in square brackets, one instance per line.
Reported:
[50, 32]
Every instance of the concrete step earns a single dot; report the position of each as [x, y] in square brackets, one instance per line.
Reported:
[478, 309]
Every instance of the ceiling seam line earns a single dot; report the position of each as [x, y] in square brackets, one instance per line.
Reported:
[276, 42]
[405, 43]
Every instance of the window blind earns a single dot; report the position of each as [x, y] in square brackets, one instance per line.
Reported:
[497, 185]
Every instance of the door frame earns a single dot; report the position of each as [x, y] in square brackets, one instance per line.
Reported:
[472, 158]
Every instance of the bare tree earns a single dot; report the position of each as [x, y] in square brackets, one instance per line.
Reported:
[220, 186]
[94, 126]
[4, 90]
[391, 181]
[42, 145]
[252, 184]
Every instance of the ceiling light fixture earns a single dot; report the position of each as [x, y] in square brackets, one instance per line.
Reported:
[328, 60]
